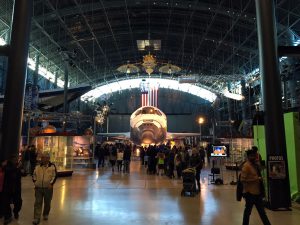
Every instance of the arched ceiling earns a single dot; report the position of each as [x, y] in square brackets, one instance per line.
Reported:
[206, 38]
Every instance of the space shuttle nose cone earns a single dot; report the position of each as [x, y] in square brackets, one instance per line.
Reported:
[148, 137]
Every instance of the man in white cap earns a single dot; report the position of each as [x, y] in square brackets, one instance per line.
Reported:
[44, 177]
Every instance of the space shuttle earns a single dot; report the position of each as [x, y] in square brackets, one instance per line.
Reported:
[148, 126]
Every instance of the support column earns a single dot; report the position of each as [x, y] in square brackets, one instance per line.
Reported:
[285, 95]
[291, 83]
[244, 103]
[16, 77]
[48, 84]
[3, 75]
[56, 77]
[229, 104]
[66, 78]
[36, 71]
[4, 50]
[216, 118]
[107, 125]
[292, 89]
[278, 187]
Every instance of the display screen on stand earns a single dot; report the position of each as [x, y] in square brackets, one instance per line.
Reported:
[219, 151]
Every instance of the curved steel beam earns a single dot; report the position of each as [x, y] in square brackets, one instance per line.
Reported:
[111, 5]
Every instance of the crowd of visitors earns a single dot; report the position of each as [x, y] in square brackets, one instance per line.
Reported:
[160, 160]
[114, 154]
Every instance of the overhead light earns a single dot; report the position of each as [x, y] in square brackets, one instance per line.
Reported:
[200, 120]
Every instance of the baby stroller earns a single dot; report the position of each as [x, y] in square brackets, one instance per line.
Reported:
[188, 178]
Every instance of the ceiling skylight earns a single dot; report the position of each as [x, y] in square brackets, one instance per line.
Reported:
[42, 70]
[162, 83]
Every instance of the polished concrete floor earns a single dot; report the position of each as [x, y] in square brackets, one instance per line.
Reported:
[102, 197]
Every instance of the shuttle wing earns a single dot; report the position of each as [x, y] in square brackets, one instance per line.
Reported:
[119, 136]
[181, 135]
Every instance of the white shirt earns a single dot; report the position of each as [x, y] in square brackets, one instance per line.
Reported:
[120, 155]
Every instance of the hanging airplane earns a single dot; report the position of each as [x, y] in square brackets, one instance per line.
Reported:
[148, 125]
[50, 100]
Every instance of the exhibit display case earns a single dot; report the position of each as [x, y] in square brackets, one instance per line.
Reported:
[60, 149]
[82, 153]
[66, 152]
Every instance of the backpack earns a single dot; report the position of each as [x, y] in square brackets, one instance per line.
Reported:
[239, 189]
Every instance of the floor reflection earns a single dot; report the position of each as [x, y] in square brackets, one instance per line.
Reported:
[106, 198]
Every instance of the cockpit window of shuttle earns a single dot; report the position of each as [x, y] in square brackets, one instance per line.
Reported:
[148, 110]
[139, 112]
[158, 112]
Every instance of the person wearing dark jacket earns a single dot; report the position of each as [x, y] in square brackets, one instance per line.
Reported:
[196, 162]
[99, 153]
[171, 164]
[11, 192]
[126, 159]
[33, 156]
[1, 188]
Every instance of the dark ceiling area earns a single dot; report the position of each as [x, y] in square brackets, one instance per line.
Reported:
[214, 40]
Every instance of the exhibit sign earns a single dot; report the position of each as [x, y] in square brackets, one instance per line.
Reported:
[276, 166]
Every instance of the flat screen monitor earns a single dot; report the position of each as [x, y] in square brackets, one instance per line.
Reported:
[220, 151]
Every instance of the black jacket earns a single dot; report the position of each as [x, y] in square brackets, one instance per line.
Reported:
[195, 161]
[12, 179]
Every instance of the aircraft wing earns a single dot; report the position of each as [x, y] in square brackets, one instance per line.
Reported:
[171, 135]
[54, 98]
[119, 136]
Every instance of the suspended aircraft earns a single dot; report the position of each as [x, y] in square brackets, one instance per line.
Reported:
[50, 100]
